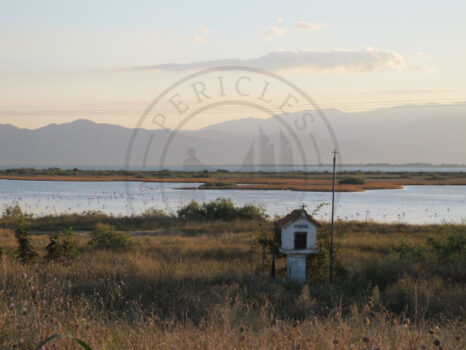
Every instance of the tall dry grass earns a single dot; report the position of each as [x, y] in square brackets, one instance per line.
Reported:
[204, 288]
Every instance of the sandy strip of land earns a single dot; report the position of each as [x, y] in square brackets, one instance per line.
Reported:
[317, 182]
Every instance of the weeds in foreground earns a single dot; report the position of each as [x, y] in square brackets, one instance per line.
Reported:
[206, 290]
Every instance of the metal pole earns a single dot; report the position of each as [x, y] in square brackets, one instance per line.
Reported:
[333, 214]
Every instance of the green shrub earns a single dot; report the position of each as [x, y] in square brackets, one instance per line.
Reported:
[192, 210]
[443, 254]
[351, 181]
[26, 252]
[318, 264]
[407, 251]
[62, 246]
[381, 272]
[105, 237]
[15, 212]
[449, 252]
[220, 209]
[452, 245]
[154, 213]
[12, 211]
[250, 212]
[268, 241]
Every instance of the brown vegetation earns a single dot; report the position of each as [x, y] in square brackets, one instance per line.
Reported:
[199, 285]
[293, 180]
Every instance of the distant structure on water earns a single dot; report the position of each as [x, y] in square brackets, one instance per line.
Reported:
[298, 240]
[262, 153]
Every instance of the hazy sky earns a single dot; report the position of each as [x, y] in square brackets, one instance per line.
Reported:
[65, 60]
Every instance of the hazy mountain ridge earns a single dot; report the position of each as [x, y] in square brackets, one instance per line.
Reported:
[405, 134]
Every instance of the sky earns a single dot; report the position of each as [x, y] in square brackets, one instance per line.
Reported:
[107, 60]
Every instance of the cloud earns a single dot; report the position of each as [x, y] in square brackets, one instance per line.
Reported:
[279, 20]
[203, 29]
[417, 54]
[301, 25]
[422, 69]
[198, 39]
[274, 31]
[355, 61]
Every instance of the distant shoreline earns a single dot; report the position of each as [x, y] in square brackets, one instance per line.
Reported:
[236, 167]
[347, 181]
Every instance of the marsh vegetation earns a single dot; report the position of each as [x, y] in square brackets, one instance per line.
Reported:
[321, 181]
[201, 282]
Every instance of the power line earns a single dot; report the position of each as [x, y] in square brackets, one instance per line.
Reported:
[439, 103]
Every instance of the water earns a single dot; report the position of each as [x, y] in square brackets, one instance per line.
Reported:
[413, 204]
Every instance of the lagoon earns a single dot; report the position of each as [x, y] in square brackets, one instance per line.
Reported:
[412, 204]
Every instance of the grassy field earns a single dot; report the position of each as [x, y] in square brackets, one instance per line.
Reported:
[348, 181]
[202, 285]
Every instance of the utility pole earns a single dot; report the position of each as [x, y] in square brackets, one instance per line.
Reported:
[330, 278]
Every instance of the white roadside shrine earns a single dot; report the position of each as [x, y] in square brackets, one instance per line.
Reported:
[298, 240]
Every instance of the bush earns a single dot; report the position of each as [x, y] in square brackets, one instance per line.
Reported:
[105, 237]
[220, 209]
[13, 211]
[351, 181]
[62, 246]
[190, 211]
[443, 255]
[251, 212]
[154, 213]
[452, 246]
[268, 240]
[449, 252]
[407, 251]
[26, 252]
[318, 264]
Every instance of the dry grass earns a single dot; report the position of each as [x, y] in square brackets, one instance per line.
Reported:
[179, 290]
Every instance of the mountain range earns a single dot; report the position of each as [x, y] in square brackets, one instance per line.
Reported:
[432, 133]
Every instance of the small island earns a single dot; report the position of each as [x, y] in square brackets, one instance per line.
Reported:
[316, 181]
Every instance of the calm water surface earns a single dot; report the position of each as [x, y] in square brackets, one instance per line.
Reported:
[413, 204]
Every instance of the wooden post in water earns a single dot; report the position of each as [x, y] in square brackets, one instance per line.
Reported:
[330, 278]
